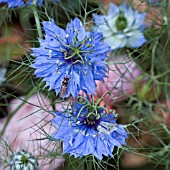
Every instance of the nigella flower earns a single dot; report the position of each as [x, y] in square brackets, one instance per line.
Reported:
[70, 60]
[23, 160]
[121, 27]
[88, 129]
[19, 3]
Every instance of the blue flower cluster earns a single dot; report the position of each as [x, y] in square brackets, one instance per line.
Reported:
[20, 3]
[70, 60]
[88, 129]
[121, 27]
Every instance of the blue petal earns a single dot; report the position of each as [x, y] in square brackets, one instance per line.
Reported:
[136, 40]
[113, 9]
[53, 30]
[76, 29]
[86, 83]
[100, 19]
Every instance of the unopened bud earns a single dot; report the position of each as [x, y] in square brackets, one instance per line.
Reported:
[145, 89]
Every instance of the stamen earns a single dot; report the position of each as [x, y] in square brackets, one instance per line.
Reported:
[78, 122]
[50, 53]
[67, 35]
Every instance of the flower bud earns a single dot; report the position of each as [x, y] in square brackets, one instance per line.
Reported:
[146, 89]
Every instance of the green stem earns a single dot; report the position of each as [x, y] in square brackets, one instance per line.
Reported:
[153, 58]
[37, 20]
[163, 83]
[98, 101]
[90, 165]
[163, 74]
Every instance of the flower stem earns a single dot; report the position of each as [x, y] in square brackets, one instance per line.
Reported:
[90, 163]
[163, 74]
[37, 19]
[153, 58]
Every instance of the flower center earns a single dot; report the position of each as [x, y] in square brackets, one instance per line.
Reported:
[121, 22]
[92, 117]
[74, 55]
[24, 160]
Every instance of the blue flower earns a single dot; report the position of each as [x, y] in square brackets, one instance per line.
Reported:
[21, 3]
[70, 60]
[12, 3]
[88, 129]
[121, 27]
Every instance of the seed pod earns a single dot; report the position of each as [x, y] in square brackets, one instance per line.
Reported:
[146, 90]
